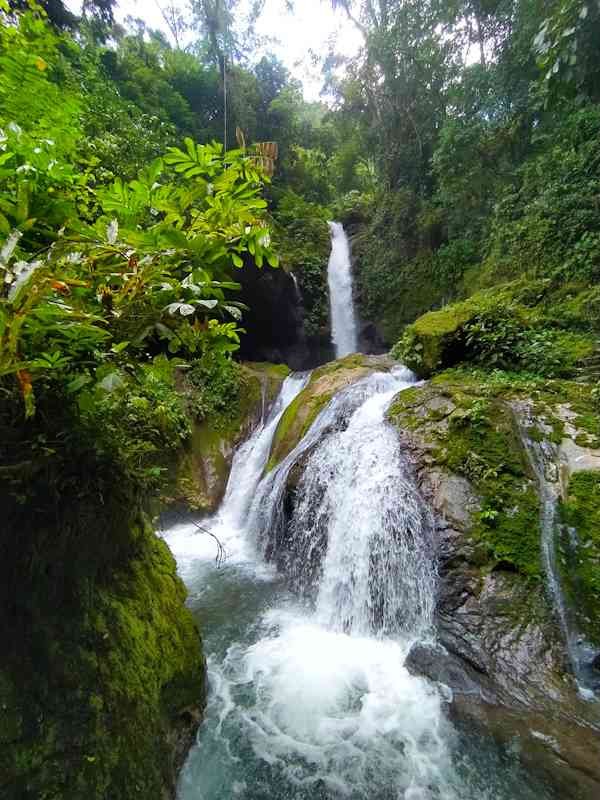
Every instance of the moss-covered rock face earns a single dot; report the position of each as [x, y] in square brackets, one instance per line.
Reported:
[200, 477]
[102, 679]
[469, 421]
[580, 549]
[529, 326]
[324, 383]
[504, 653]
[474, 436]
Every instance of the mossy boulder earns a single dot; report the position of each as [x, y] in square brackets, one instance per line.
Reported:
[474, 436]
[427, 344]
[102, 680]
[526, 326]
[324, 383]
[200, 477]
[502, 651]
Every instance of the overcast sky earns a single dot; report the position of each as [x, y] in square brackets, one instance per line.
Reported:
[307, 30]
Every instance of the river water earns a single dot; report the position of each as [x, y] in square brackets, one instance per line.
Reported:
[309, 696]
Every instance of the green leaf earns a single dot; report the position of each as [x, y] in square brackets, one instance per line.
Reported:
[118, 348]
[185, 309]
[235, 312]
[78, 383]
[111, 382]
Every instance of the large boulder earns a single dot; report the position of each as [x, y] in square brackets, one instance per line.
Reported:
[500, 648]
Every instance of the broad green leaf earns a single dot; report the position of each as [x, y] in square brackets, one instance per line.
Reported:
[111, 382]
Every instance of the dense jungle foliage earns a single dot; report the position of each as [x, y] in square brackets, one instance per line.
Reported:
[142, 173]
[483, 122]
[460, 146]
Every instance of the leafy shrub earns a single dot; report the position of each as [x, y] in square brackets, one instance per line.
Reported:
[139, 421]
[501, 340]
[214, 388]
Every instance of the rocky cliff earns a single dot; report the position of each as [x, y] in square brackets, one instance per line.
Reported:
[500, 645]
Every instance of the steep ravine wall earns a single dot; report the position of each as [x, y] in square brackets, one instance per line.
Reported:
[102, 677]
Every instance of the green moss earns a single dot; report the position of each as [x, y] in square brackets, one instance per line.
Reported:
[295, 423]
[478, 440]
[270, 377]
[280, 371]
[549, 399]
[529, 326]
[353, 361]
[200, 476]
[581, 560]
[93, 689]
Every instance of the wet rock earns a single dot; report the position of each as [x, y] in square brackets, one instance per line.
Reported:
[274, 320]
[500, 649]
[437, 664]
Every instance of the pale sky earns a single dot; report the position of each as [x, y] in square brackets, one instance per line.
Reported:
[309, 29]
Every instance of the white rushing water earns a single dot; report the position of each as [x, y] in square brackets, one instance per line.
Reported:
[228, 524]
[310, 698]
[543, 457]
[339, 278]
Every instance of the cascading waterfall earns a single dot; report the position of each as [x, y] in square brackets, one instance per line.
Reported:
[339, 278]
[543, 456]
[310, 698]
[250, 459]
[378, 573]
[357, 505]
[246, 470]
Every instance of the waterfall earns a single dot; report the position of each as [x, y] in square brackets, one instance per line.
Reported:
[378, 573]
[310, 697]
[296, 288]
[250, 458]
[188, 543]
[339, 278]
[359, 536]
[543, 457]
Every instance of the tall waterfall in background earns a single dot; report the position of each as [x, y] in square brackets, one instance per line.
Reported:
[339, 278]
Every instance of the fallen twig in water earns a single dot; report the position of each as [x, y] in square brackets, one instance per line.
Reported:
[221, 556]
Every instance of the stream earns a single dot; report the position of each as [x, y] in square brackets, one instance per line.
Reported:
[308, 622]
